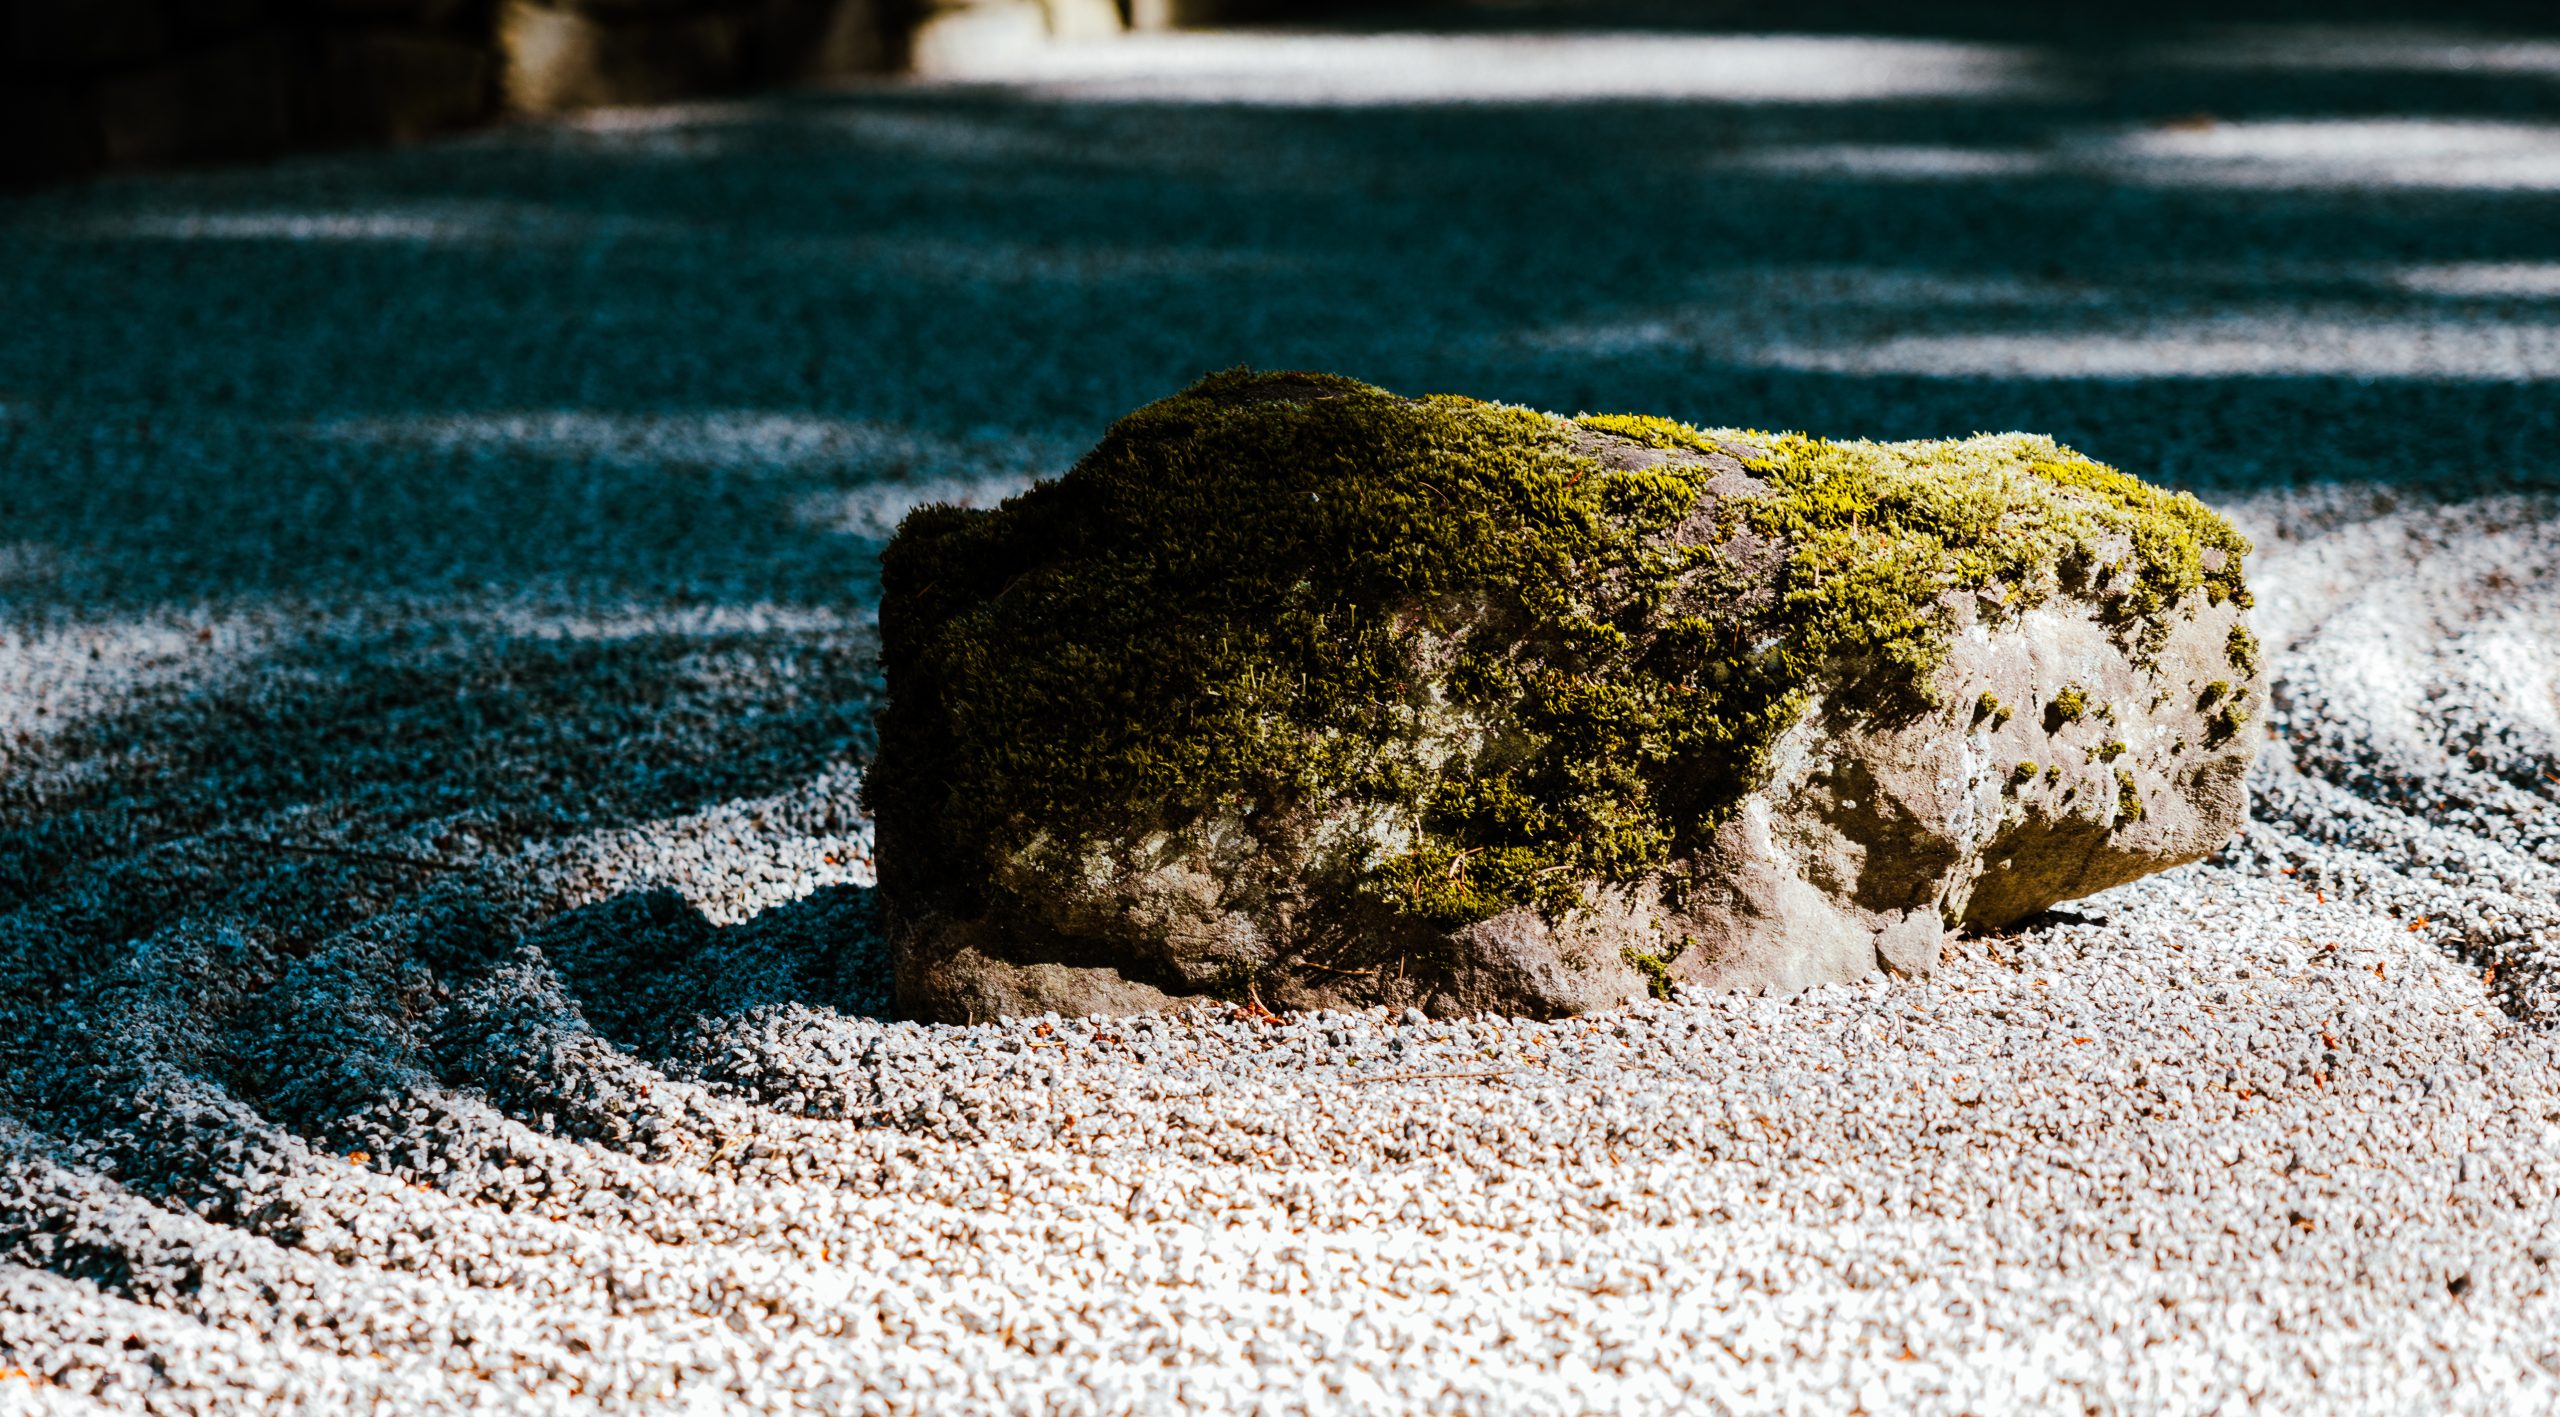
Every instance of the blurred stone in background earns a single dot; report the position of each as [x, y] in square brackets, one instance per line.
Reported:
[90, 85]
[564, 54]
[949, 37]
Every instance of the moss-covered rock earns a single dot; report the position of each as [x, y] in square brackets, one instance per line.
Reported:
[1298, 691]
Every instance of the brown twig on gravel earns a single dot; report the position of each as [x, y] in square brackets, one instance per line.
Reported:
[1429, 1077]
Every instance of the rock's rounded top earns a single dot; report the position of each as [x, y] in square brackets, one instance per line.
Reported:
[1464, 657]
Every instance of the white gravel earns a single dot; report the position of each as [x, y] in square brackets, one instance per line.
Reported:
[435, 677]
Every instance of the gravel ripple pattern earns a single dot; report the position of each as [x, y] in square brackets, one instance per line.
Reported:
[436, 677]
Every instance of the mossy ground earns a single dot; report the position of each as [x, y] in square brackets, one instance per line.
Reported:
[1277, 590]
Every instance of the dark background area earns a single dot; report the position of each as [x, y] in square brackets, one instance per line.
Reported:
[91, 85]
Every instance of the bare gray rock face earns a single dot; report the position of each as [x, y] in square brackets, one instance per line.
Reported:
[1867, 844]
[1301, 694]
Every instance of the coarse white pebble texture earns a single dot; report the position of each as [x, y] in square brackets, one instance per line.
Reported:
[436, 675]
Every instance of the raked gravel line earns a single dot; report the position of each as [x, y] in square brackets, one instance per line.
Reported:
[434, 684]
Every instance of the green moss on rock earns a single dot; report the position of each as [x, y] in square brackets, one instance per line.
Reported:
[2226, 722]
[2243, 651]
[1656, 968]
[1522, 665]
